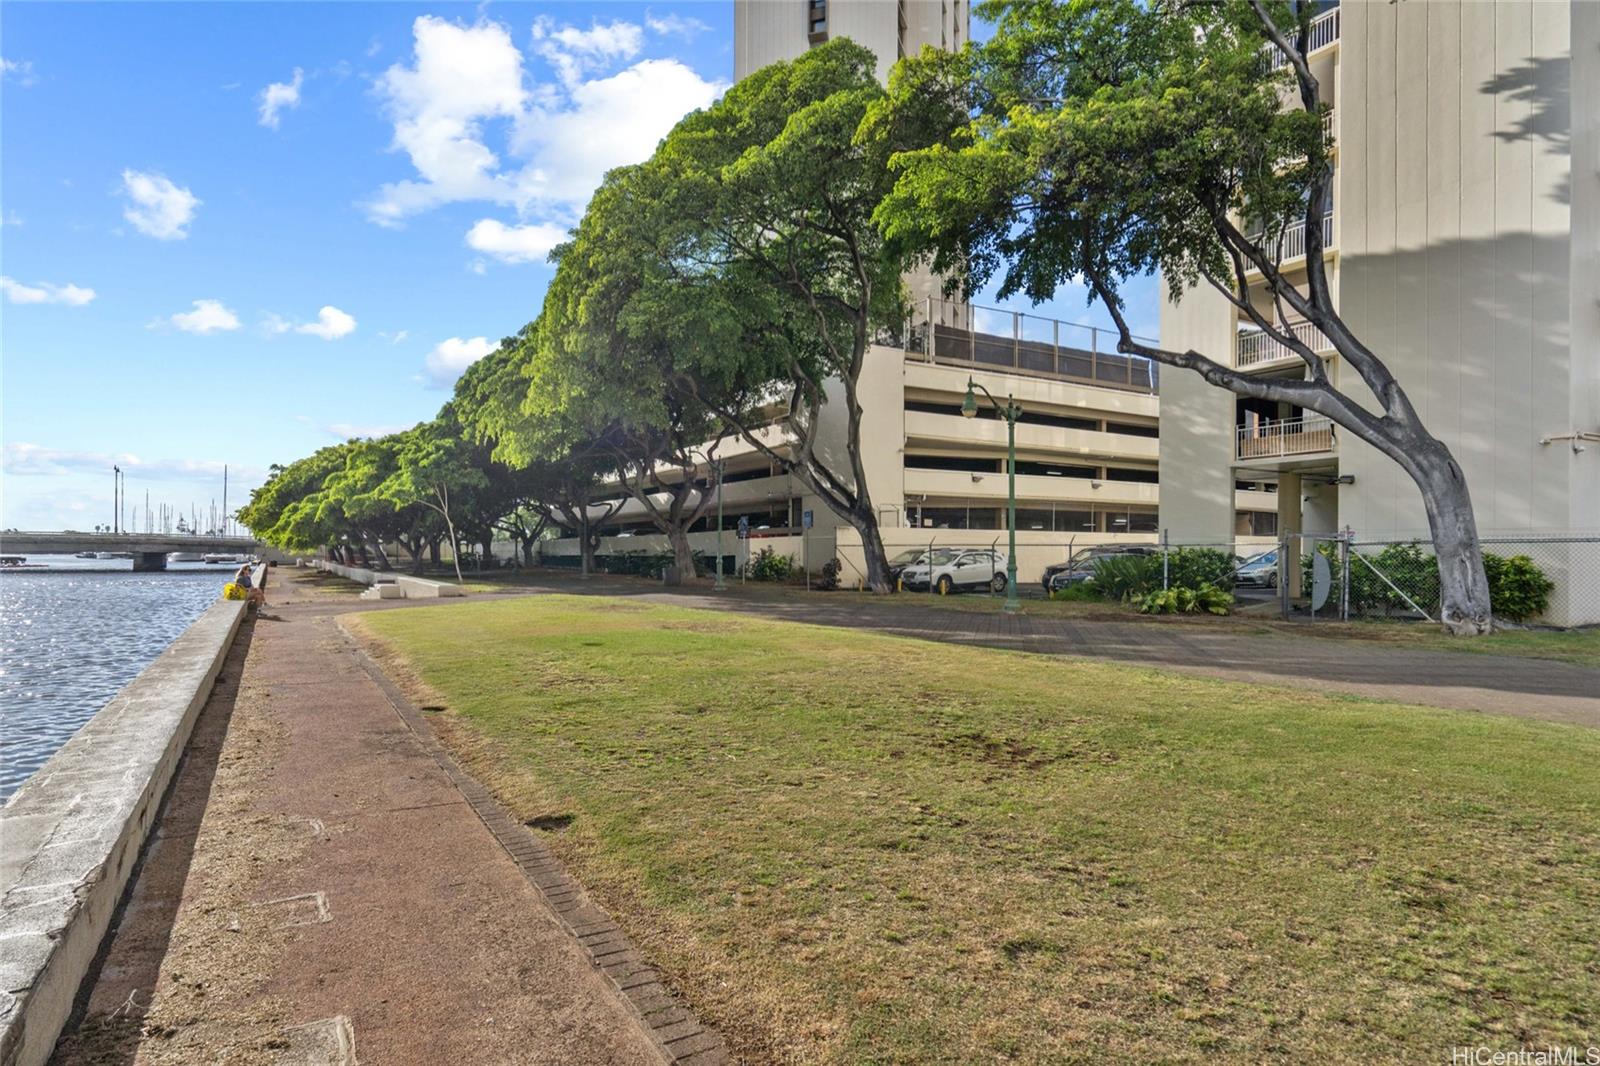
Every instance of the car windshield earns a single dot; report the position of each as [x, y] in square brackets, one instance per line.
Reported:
[941, 556]
[1265, 560]
[906, 558]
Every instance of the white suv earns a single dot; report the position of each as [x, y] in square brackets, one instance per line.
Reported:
[954, 569]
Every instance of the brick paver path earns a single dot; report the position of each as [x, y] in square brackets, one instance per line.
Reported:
[1500, 684]
[325, 876]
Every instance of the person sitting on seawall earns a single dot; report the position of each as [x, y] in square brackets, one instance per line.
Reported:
[242, 579]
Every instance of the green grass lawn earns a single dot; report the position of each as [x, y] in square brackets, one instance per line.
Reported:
[854, 848]
[1580, 646]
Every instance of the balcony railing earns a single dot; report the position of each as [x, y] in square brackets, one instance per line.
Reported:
[1324, 31]
[1255, 347]
[1285, 437]
[1292, 243]
[961, 334]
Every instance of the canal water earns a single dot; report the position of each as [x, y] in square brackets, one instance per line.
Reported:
[72, 634]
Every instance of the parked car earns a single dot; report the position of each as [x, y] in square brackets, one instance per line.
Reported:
[1080, 567]
[948, 570]
[898, 564]
[1259, 573]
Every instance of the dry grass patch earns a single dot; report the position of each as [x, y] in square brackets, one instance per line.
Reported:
[849, 847]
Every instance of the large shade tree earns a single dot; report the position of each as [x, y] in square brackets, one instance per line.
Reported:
[769, 263]
[1109, 139]
[557, 470]
[619, 361]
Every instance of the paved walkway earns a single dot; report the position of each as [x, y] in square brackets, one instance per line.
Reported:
[326, 881]
[1498, 684]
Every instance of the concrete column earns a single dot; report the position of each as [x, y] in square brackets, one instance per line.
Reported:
[146, 561]
[1289, 522]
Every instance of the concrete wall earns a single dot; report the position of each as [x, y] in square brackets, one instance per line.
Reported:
[1197, 500]
[766, 31]
[70, 836]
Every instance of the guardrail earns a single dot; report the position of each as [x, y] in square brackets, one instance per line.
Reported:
[1324, 31]
[1256, 347]
[970, 335]
[1285, 437]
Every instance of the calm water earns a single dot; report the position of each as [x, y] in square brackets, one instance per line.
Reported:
[73, 635]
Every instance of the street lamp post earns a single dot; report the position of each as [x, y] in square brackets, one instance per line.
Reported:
[1010, 412]
[718, 584]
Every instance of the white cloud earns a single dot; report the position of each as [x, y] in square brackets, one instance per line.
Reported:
[18, 70]
[635, 107]
[279, 95]
[515, 244]
[208, 316]
[462, 75]
[33, 460]
[572, 51]
[675, 26]
[452, 356]
[466, 88]
[157, 207]
[395, 337]
[331, 324]
[45, 293]
[11, 218]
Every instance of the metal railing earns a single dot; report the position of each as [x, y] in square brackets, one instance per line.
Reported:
[1289, 436]
[1292, 241]
[1256, 347]
[969, 335]
[1324, 31]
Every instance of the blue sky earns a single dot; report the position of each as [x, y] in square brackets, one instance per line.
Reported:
[234, 233]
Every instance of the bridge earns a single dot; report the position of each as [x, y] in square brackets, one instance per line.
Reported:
[149, 550]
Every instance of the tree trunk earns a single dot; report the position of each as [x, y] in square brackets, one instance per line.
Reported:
[682, 555]
[433, 550]
[527, 550]
[455, 549]
[586, 546]
[1463, 587]
[486, 558]
[876, 558]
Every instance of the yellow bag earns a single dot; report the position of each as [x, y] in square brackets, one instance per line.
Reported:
[235, 591]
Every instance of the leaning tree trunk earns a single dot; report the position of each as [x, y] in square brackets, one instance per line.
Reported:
[872, 550]
[1464, 607]
[682, 554]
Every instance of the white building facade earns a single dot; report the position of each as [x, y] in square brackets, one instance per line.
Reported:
[1464, 249]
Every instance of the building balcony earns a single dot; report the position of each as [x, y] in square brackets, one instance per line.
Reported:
[1284, 438]
[988, 338]
[1324, 33]
[1291, 243]
[1032, 489]
[988, 435]
[1257, 348]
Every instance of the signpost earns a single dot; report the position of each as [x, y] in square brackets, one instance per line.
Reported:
[744, 540]
[805, 546]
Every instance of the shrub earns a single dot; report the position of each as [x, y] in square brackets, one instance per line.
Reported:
[1193, 568]
[1083, 592]
[828, 579]
[1127, 577]
[1180, 599]
[1518, 589]
[768, 565]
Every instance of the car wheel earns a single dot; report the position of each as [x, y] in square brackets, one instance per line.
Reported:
[1272, 581]
[946, 586]
[997, 583]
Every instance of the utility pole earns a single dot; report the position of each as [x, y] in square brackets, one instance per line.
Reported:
[116, 498]
[224, 499]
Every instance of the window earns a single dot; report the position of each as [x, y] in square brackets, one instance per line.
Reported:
[1255, 523]
[1057, 470]
[817, 20]
[1035, 519]
[1130, 430]
[944, 518]
[954, 462]
[1074, 521]
[1123, 473]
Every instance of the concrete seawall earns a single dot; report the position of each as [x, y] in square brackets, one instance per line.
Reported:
[71, 835]
[392, 585]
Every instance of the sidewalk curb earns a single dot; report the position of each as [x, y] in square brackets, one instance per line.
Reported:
[671, 1027]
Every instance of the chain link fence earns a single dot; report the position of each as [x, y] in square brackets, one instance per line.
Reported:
[1533, 578]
